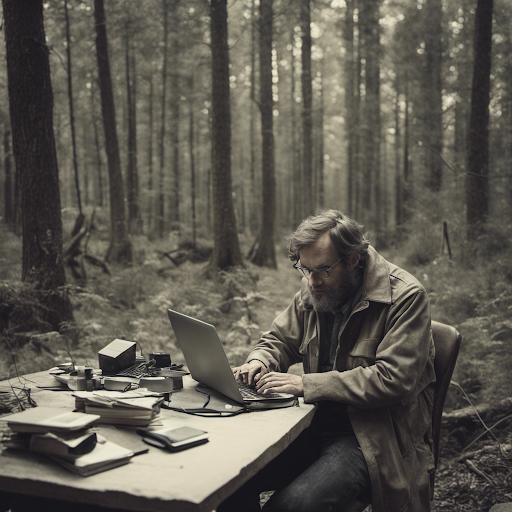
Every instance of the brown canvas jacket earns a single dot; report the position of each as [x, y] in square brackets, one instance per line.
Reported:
[388, 354]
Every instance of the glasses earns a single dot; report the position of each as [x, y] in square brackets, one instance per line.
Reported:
[320, 272]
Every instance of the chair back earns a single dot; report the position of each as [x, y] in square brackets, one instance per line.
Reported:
[447, 342]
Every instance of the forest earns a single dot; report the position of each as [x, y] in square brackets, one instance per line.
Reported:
[158, 154]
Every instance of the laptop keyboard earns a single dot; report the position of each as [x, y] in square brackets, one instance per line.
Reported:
[250, 393]
[137, 370]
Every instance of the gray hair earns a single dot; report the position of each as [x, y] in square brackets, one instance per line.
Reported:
[346, 234]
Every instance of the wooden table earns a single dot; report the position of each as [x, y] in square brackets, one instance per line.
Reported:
[197, 479]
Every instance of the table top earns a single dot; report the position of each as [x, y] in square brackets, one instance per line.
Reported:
[196, 479]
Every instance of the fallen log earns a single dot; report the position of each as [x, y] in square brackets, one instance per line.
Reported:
[468, 416]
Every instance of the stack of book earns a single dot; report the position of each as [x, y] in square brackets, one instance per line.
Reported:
[133, 408]
[65, 437]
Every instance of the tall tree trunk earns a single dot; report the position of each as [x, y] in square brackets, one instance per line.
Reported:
[477, 178]
[71, 107]
[369, 26]
[350, 106]
[307, 112]
[265, 253]
[433, 89]
[319, 160]
[408, 183]
[120, 249]
[132, 172]
[399, 212]
[253, 202]
[175, 97]
[9, 211]
[160, 210]
[192, 156]
[31, 110]
[150, 185]
[98, 163]
[226, 249]
[295, 161]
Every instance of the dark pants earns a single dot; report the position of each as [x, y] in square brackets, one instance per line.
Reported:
[316, 473]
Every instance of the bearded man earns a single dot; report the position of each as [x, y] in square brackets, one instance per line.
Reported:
[361, 326]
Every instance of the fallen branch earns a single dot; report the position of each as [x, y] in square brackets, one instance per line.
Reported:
[479, 472]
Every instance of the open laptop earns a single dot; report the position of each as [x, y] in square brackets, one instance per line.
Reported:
[207, 361]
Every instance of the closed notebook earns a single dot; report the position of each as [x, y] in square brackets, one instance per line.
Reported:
[174, 439]
[49, 419]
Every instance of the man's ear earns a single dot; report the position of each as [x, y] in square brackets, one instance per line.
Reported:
[353, 260]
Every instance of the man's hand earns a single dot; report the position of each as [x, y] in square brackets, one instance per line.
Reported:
[249, 373]
[275, 382]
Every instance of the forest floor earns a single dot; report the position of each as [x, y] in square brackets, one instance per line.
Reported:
[131, 303]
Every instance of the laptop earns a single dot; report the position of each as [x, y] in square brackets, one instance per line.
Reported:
[207, 361]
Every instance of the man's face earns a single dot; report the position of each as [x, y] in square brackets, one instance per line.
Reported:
[331, 293]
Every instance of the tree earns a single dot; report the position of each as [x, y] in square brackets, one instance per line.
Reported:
[477, 178]
[175, 98]
[371, 123]
[351, 107]
[226, 249]
[132, 171]
[31, 110]
[71, 108]
[307, 112]
[433, 89]
[9, 198]
[265, 252]
[120, 249]
[160, 208]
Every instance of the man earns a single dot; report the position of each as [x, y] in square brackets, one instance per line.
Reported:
[362, 329]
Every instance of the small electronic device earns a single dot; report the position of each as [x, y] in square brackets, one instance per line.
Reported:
[174, 439]
[162, 359]
[116, 356]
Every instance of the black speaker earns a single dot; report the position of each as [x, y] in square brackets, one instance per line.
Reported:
[116, 356]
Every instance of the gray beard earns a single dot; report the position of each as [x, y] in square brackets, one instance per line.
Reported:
[338, 293]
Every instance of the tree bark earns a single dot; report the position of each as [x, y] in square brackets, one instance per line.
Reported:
[120, 249]
[175, 98]
[351, 107]
[9, 210]
[150, 183]
[265, 252]
[477, 179]
[226, 250]
[132, 171]
[71, 108]
[160, 203]
[371, 189]
[308, 198]
[433, 89]
[31, 110]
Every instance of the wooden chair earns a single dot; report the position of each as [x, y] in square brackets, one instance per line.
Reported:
[447, 342]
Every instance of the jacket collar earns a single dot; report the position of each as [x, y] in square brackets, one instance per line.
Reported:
[376, 283]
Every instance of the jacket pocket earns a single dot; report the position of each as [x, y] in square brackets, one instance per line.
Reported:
[363, 353]
[309, 351]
